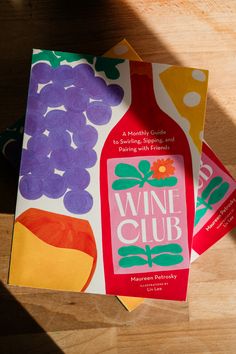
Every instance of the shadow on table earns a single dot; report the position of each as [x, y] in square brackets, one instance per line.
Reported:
[8, 186]
[91, 27]
[19, 332]
[80, 26]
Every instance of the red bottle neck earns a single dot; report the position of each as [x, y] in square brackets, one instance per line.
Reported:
[142, 87]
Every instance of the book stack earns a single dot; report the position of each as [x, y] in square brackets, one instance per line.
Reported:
[118, 192]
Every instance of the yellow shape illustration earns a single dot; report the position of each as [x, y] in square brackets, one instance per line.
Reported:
[35, 263]
[122, 50]
[187, 88]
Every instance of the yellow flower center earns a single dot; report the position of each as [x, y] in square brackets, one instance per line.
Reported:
[162, 169]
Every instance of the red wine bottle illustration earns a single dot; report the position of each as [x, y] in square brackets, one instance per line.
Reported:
[147, 196]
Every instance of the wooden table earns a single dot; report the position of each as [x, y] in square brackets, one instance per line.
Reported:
[193, 33]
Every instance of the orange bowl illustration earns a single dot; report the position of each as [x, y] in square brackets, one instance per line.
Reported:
[52, 251]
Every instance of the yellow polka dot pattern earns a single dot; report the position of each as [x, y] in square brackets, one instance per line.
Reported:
[123, 50]
[190, 103]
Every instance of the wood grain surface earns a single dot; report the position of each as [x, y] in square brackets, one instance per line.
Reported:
[192, 33]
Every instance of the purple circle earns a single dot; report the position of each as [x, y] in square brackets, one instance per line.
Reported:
[42, 73]
[97, 88]
[54, 186]
[31, 187]
[35, 105]
[77, 178]
[59, 139]
[78, 202]
[42, 168]
[99, 113]
[114, 95]
[88, 136]
[52, 95]
[62, 159]
[39, 144]
[64, 75]
[34, 123]
[56, 119]
[33, 86]
[28, 162]
[83, 74]
[76, 99]
[84, 158]
[76, 121]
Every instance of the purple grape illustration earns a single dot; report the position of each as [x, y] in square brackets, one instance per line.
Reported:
[59, 139]
[33, 86]
[54, 186]
[31, 187]
[86, 137]
[35, 123]
[98, 90]
[42, 168]
[64, 75]
[99, 113]
[76, 99]
[62, 159]
[35, 105]
[56, 120]
[65, 104]
[42, 73]
[39, 144]
[76, 121]
[84, 75]
[52, 95]
[84, 158]
[78, 202]
[77, 178]
[114, 95]
[28, 162]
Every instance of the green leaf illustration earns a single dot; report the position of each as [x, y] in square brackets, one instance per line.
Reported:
[127, 170]
[218, 193]
[167, 260]
[199, 202]
[108, 65]
[70, 57]
[129, 250]
[124, 183]
[149, 174]
[144, 166]
[128, 262]
[56, 57]
[172, 248]
[199, 214]
[130, 175]
[213, 183]
[167, 182]
[46, 55]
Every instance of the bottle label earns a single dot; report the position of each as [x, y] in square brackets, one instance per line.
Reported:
[213, 189]
[147, 202]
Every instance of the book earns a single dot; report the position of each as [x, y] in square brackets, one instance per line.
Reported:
[106, 158]
[216, 219]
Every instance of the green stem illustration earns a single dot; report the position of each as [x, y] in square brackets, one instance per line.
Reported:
[130, 176]
[214, 192]
[166, 255]
[203, 202]
[149, 255]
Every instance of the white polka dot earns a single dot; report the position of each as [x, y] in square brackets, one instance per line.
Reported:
[192, 99]
[201, 135]
[198, 75]
[121, 49]
[185, 124]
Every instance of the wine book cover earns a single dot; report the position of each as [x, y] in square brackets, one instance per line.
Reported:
[217, 218]
[108, 177]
